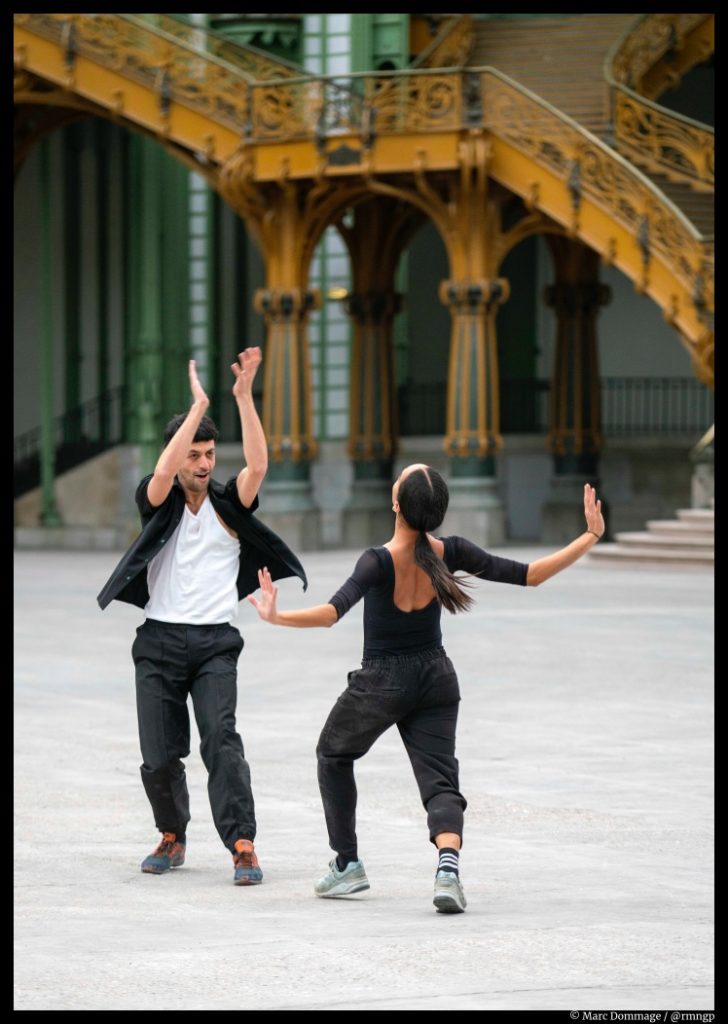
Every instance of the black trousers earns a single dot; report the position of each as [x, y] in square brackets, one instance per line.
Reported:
[173, 662]
[418, 693]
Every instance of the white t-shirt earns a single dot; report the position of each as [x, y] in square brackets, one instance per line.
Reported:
[193, 579]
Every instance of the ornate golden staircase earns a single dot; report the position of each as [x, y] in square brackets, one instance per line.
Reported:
[590, 68]
[559, 59]
[292, 153]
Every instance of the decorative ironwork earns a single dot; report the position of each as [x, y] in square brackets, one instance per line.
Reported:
[344, 156]
[652, 136]
[137, 49]
[550, 138]
[664, 141]
[573, 183]
[253, 63]
[452, 47]
[95, 426]
[472, 103]
[643, 240]
[287, 109]
[69, 45]
[643, 46]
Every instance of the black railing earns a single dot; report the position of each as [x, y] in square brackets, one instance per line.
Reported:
[78, 434]
[631, 406]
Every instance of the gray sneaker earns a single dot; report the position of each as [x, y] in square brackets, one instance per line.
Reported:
[449, 896]
[342, 883]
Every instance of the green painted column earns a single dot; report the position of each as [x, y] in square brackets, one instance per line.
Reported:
[144, 365]
[71, 270]
[49, 513]
[175, 310]
[201, 237]
[102, 257]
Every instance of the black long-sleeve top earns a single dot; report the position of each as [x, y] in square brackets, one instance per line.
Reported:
[390, 631]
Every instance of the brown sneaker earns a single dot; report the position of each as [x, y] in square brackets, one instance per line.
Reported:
[169, 854]
[247, 868]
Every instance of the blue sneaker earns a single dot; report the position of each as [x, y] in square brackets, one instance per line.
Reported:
[342, 883]
[247, 868]
[449, 896]
[169, 854]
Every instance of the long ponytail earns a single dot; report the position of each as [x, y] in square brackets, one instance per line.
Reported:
[423, 498]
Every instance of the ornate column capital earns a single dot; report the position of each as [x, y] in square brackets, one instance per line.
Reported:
[285, 304]
[471, 294]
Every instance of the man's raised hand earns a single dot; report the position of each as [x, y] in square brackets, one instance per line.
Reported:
[245, 369]
[198, 392]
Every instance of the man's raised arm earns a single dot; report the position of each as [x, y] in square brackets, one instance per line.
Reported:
[255, 448]
[174, 454]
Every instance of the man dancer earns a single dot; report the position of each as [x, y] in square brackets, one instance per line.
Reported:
[197, 556]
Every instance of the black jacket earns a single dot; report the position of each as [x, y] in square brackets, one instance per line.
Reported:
[259, 546]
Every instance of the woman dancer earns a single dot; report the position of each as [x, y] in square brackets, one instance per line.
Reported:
[406, 677]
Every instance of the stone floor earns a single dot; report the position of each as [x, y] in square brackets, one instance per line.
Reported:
[586, 752]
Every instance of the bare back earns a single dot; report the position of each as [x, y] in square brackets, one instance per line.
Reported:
[412, 587]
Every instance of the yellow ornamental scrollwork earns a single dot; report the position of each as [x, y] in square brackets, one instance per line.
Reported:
[662, 142]
[644, 45]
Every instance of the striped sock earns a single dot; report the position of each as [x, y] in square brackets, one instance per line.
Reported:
[448, 860]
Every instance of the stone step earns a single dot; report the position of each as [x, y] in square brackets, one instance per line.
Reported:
[696, 515]
[617, 554]
[680, 527]
[650, 540]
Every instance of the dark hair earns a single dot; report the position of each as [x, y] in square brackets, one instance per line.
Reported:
[207, 431]
[423, 498]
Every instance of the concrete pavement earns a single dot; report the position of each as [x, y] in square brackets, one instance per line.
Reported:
[586, 753]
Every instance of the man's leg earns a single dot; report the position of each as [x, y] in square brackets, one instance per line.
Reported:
[214, 697]
[164, 726]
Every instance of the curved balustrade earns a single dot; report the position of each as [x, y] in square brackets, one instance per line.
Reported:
[451, 100]
[172, 67]
[414, 102]
[554, 140]
[645, 43]
[677, 146]
[255, 64]
[450, 48]
[648, 133]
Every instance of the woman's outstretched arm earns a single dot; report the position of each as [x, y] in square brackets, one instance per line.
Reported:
[544, 568]
[321, 615]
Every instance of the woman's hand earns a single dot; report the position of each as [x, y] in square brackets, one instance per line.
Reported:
[266, 607]
[593, 511]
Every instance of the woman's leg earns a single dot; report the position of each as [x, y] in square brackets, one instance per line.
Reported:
[371, 703]
[428, 733]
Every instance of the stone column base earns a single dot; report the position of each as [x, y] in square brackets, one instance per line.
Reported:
[368, 518]
[287, 507]
[702, 484]
[562, 515]
[475, 511]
